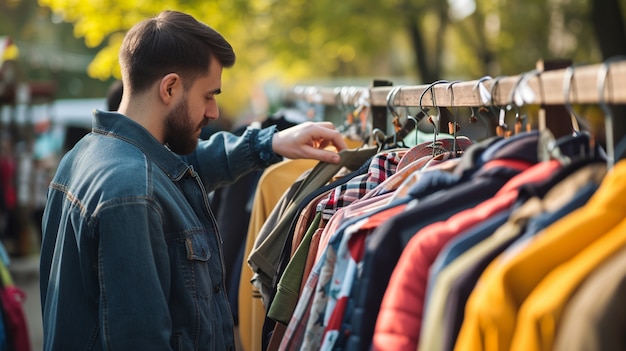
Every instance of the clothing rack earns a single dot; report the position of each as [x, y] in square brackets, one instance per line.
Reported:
[554, 90]
[550, 90]
[588, 84]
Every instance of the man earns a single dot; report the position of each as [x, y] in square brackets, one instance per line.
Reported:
[131, 256]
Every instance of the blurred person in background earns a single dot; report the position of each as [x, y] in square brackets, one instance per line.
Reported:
[9, 228]
[114, 95]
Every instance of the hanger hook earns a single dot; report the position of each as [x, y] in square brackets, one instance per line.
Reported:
[568, 83]
[494, 86]
[391, 97]
[515, 89]
[502, 111]
[512, 103]
[378, 136]
[449, 87]
[518, 93]
[454, 113]
[430, 119]
[430, 87]
[483, 93]
[409, 117]
[603, 72]
[485, 97]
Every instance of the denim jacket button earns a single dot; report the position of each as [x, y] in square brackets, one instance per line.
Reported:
[216, 288]
[264, 155]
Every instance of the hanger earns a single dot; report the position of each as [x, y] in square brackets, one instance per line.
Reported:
[522, 94]
[581, 144]
[485, 99]
[401, 130]
[454, 127]
[434, 149]
[434, 120]
[521, 121]
[568, 79]
[378, 137]
[415, 122]
[394, 140]
[391, 97]
[502, 129]
[603, 72]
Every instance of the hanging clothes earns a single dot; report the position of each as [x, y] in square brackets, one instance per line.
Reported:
[405, 295]
[477, 246]
[480, 175]
[496, 245]
[232, 206]
[319, 301]
[593, 319]
[271, 186]
[508, 281]
[485, 185]
[264, 257]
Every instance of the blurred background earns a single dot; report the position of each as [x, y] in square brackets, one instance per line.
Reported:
[58, 59]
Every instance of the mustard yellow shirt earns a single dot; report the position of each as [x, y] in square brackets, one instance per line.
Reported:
[540, 314]
[272, 184]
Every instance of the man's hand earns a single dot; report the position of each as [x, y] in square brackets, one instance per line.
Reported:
[309, 140]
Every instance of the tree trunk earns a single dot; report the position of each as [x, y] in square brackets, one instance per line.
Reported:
[424, 69]
[606, 16]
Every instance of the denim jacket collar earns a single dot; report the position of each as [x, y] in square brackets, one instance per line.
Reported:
[124, 128]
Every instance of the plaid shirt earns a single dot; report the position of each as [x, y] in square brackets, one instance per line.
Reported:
[306, 326]
[382, 166]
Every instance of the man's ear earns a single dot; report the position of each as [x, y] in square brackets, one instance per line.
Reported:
[169, 86]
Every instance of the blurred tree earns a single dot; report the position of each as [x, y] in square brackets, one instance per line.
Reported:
[49, 50]
[293, 41]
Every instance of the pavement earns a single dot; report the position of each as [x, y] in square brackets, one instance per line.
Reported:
[25, 274]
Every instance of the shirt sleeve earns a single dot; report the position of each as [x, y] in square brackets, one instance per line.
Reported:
[225, 157]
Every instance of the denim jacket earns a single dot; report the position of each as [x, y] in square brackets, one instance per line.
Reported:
[131, 256]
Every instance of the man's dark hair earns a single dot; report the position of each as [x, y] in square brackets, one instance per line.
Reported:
[171, 42]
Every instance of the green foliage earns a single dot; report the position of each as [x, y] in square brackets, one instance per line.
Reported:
[291, 41]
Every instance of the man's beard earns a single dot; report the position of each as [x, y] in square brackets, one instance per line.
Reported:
[179, 130]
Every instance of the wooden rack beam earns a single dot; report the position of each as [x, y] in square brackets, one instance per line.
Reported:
[545, 88]
[347, 95]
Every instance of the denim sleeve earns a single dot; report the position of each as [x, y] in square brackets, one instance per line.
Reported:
[133, 278]
[225, 157]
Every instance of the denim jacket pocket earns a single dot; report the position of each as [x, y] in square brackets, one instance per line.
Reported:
[198, 273]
